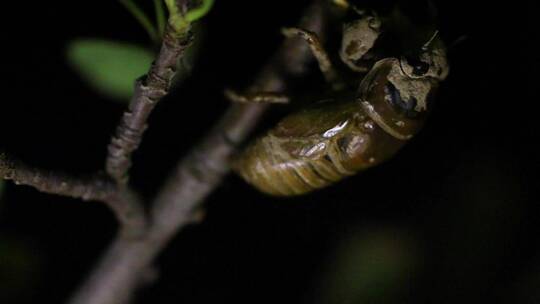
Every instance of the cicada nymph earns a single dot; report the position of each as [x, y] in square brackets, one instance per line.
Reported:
[331, 140]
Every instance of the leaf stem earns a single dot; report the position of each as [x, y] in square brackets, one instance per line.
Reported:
[160, 16]
[141, 17]
[200, 11]
[180, 21]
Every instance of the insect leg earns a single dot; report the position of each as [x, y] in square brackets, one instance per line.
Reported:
[257, 97]
[318, 51]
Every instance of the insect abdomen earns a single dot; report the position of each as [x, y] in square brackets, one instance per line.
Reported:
[285, 165]
[329, 141]
[269, 168]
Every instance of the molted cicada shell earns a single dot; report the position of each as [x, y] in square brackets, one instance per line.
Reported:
[358, 39]
[331, 140]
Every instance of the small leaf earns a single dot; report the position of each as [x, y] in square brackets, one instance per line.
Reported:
[110, 67]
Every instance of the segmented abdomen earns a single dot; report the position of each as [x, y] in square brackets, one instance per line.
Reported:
[331, 140]
[267, 166]
[285, 166]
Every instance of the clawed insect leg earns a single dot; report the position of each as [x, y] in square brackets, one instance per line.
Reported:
[257, 97]
[328, 70]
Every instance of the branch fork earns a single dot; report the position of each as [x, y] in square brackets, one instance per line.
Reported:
[143, 235]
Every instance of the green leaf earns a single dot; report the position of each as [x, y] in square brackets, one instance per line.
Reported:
[110, 67]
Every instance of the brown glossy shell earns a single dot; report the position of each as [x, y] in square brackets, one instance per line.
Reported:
[323, 144]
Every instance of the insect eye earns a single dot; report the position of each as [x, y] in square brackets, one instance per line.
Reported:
[405, 107]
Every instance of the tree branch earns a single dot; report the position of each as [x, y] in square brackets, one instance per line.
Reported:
[124, 204]
[88, 189]
[148, 92]
[119, 272]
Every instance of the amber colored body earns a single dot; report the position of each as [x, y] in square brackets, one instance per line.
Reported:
[330, 140]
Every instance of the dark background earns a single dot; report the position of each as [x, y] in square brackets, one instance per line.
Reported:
[450, 218]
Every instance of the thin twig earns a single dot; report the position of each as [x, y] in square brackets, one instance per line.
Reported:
[148, 92]
[87, 188]
[119, 272]
[125, 204]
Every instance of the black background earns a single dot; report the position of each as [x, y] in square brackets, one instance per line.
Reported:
[463, 188]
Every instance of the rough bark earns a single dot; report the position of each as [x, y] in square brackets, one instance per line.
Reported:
[148, 92]
[124, 203]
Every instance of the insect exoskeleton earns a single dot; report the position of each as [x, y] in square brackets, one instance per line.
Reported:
[358, 39]
[331, 140]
